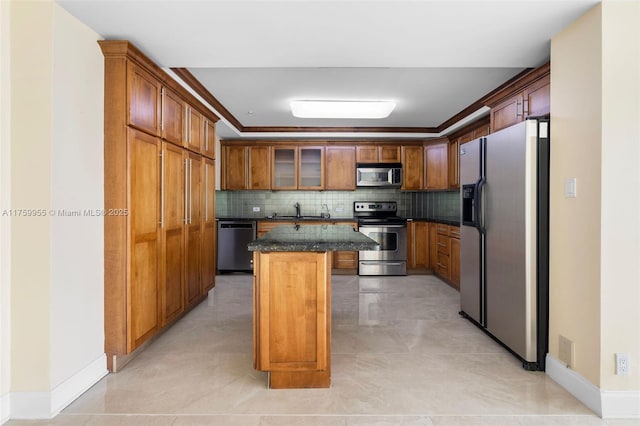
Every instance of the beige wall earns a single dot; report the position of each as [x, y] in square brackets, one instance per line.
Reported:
[5, 203]
[77, 183]
[31, 124]
[595, 238]
[52, 103]
[574, 274]
[620, 207]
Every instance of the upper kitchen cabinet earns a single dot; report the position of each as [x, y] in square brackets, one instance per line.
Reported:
[311, 167]
[194, 129]
[436, 163]
[285, 161]
[235, 167]
[378, 153]
[412, 167]
[298, 167]
[531, 98]
[259, 167]
[172, 119]
[144, 100]
[340, 168]
[246, 167]
[209, 138]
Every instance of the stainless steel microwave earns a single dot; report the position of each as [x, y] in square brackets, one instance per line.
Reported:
[388, 175]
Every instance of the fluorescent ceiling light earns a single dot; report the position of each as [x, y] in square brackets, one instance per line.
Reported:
[342, 109]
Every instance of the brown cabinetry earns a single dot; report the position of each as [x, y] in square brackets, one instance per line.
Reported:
[143, 99]
[209, 225]
[412, 167]
[292, 318]
[209, 138]
[193, 220]
[194, 129]
[444, 243]
[144, 172]
[154, 241]
[418, 245]
[340, 168]
[298, 167]
[246, 167]
[172, 120]
[436, 164]
[173, 227]
[378, 153]
[533, 100]
[285, 161]
[454, 255]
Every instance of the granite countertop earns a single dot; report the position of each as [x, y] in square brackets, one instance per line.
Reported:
[313, 238]
[447, 220]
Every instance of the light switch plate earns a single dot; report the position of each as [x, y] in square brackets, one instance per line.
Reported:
[570, 189]
[256, 209]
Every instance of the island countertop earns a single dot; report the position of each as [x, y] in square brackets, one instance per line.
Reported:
[311, 238]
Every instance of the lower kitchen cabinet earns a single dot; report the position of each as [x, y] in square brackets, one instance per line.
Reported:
[445, 242]
[292, 318]
[418, 245]
[455, 262]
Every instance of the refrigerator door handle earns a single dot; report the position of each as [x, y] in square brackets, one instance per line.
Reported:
[477, 193]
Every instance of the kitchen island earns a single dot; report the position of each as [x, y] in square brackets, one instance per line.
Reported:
[292, 301]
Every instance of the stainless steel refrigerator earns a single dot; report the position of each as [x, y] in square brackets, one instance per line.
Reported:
[504, 248]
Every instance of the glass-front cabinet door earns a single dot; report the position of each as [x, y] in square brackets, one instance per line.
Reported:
[311, 171]
[284, 167]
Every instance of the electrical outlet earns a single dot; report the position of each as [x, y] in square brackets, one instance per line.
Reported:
[256, 209]
[338, 209]
[622, 364]
[566, 349]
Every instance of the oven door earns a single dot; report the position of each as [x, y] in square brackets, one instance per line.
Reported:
[392, 240]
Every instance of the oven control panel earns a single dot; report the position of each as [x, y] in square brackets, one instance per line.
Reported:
[375, 206]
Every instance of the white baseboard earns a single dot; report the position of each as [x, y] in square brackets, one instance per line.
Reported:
[45, 405]
[30, 405]
[621, 404]
[606, 404]
[66, 392]
[5, 408]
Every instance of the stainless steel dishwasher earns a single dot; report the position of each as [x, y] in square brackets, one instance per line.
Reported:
[233, 238]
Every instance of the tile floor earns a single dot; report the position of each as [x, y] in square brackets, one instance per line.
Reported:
[401, 356]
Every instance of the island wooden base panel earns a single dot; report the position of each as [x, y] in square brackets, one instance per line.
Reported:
[299, 379]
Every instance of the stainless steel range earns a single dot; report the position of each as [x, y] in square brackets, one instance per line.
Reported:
[378, 221]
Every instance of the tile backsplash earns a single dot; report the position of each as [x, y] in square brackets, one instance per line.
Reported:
[412, 204]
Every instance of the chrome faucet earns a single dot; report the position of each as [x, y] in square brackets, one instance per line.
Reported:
[297, 206]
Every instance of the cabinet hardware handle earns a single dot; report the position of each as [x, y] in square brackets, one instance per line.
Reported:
[162, 109]
[206, 136]
[206, 193]
[189, 128]
[186, 191]
[190, 189]
[161, 189]
[525, 106]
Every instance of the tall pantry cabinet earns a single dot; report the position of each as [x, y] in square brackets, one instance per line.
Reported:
[159, 170]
